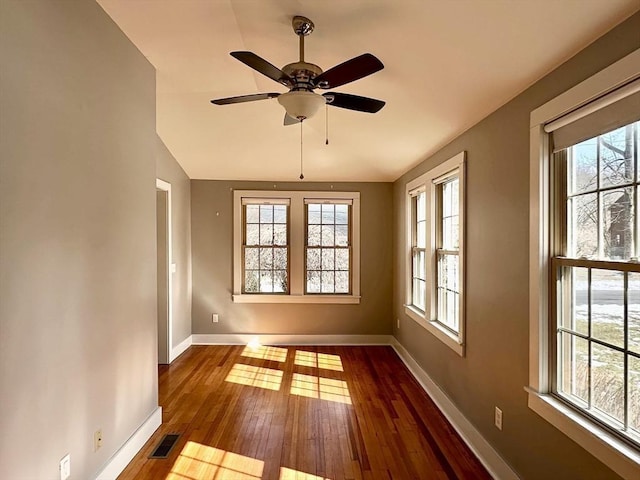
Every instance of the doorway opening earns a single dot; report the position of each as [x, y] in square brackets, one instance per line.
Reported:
[163, 237]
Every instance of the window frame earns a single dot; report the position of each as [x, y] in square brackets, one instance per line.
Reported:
[619, 455]
[297, 226]
[431, 182]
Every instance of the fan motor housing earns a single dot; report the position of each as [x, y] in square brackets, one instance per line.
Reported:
[302, 72]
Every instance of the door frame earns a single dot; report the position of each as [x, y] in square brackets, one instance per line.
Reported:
[166, 186]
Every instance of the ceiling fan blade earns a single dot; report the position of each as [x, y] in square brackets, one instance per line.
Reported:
[353, 102]
[289, 120]
[354, 69]
[259, 64]
[244, 98]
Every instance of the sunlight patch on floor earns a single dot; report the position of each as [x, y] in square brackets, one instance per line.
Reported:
[197, 461]
[322, 388]
[290, 474]
[318, 360]
[260, 377]
[275, 354]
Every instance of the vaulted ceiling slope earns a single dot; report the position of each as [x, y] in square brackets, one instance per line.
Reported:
[448, 64]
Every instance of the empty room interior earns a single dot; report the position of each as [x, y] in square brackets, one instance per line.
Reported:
[319, 240]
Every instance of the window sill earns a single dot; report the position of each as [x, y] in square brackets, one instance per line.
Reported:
[609, 449]
[334, 299]
[445, 336]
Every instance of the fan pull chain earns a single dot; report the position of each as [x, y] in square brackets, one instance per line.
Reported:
[301, 174]
[326, 125]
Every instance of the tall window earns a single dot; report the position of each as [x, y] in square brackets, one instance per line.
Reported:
[266, 246]
[328, 246]
[418, 249]
[584, 289]
[435, 254]
[296, 247]
[598, 278]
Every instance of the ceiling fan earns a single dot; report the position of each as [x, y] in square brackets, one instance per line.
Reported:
[302, 78]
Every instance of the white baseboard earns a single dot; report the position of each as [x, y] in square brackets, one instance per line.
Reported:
[131, 447]
[180, 348]
[492, 461]
[284, 339]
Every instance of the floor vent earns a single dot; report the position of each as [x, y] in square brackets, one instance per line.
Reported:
[165, 446]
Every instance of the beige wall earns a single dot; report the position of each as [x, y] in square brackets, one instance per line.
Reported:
[212, 247]
[168, 169]
[77, 243]
[495, 369]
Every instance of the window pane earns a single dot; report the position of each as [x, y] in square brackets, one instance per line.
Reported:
[583, 167]
[577, 318]
[607, 306]
[280, 258]
[266, 258]
[633, 306]
[421, 207]
[280, 234]
[266, 213]
[266, 281]
[328, 259]
[280, 281]
[574, 367]
[342, 282]
[617, 216]
[342, 259]
[252, 213]
[251, 258]
[313, 259]
[313, 282]
[313, 235]
[327, 282]
[328, 214]
[616, 157]
[342, 214]
[279, 214]
[607, 381]
[342, 235]
[421, 234]
[447, 275]
[313, 214]
[634, 393]
[253, 234]
[251, 283]
[583, 225]
[328, 235]
[266, 234]
[418, 293]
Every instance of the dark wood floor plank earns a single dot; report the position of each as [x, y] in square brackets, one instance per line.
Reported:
[337, 413]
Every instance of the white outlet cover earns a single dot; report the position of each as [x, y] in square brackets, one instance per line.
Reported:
[65, 467]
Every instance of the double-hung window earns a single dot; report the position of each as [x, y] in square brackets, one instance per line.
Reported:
[435, 256]
[585, 273]
[296, 247]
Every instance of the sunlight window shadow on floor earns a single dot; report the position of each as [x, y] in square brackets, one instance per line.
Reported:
[260, 377]
[290, 474]
[322, 388]
[197, 461]
[275, 354]
[318, 360]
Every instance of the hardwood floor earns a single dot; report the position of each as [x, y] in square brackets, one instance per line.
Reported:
[303, 413]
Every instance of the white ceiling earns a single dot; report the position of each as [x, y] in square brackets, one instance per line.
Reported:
[448, 64]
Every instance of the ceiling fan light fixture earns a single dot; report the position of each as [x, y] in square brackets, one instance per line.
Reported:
[301, 104]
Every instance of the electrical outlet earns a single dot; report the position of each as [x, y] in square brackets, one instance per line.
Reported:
[214, 318]
[65, 467]
[498, 418]
[97, 440]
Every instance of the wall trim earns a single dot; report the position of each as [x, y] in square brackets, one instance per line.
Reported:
[118, 462]
[286, 339]
[491, 460]
[180, 348]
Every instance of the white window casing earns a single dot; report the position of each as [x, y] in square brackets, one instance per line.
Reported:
[428, 183]
[594, 94]
[296, 201]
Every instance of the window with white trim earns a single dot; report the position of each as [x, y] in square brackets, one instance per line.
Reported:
[435, 211]
[584, 271]
[296, 247]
